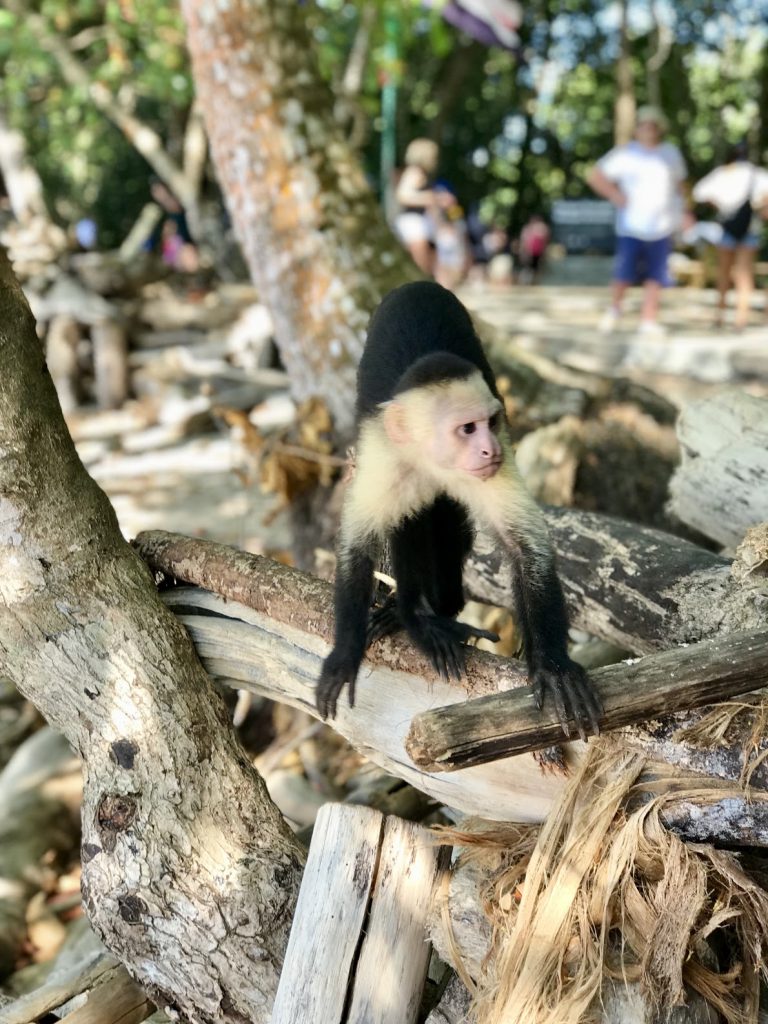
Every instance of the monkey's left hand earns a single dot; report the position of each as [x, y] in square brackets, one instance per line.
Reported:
[575, 699]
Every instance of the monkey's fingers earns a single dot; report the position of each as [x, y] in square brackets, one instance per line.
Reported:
[383, 622]
[437, 640]
[591, 706]
[463, 632]
[333, 677]
[545, 680]
[583, 703]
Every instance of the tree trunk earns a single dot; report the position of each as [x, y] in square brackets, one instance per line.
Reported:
[315, 242]
[624, 111]
[189, 872]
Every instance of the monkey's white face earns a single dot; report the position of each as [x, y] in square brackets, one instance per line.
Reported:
[453, 426]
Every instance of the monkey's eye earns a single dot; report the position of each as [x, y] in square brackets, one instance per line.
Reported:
[493, 421]
[467, 428]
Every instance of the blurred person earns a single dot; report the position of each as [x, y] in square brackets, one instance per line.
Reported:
[452, 252]
[532, 248]
[177, 247]
[738, 190]
[416, 198]
[643, 179]
[487, 243]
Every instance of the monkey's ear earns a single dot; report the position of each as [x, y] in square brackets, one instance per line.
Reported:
[396, 423]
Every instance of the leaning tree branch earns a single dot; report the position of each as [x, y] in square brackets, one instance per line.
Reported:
[190, 874]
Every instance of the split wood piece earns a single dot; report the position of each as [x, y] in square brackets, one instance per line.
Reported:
[113, 997]
[116, 999]
[59, 988]
[502, 725]
[358, 948]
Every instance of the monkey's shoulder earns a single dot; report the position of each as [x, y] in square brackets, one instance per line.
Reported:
[386, 488]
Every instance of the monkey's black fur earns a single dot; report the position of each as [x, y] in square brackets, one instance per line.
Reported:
[422, 331]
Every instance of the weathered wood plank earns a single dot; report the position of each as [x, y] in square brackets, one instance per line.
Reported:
[506, 724]
[394, 956]
[329, 917]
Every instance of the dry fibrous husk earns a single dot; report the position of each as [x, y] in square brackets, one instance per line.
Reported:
[605, 889]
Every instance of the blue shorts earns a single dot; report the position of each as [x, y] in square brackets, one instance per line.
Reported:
[638, 260]
[749, 241]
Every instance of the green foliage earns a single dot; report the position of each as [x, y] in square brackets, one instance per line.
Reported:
[136, 48]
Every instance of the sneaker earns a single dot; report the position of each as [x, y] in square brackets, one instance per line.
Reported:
[609, 321]
[651, 329]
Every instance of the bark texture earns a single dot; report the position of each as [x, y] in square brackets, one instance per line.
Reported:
[639, 588]
[315, 242]
[190, 874]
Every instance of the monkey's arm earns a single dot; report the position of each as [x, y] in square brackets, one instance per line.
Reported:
[543, 622]
[354, 588]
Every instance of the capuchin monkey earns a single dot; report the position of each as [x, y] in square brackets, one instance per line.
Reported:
[433, 460]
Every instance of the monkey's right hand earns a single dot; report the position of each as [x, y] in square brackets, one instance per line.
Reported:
[338, 670]
[444, 641]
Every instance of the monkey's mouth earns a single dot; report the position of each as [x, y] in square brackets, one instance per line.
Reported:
[488, 470]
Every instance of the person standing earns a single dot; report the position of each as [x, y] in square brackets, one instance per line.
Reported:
[416, 198]
[643, 179]
[738, 190]
[534, 239]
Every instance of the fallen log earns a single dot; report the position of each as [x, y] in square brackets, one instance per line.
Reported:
[505, 724]
[639, 588]
[270, 631]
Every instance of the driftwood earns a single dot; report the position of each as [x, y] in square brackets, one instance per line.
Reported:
[721, 486]
[378, 875]
[88, 983]
[253, 650]
[510, 723]
[639, 588]
[272, 640]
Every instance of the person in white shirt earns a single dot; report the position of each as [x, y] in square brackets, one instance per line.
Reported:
[729, 189]
[643, 179]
